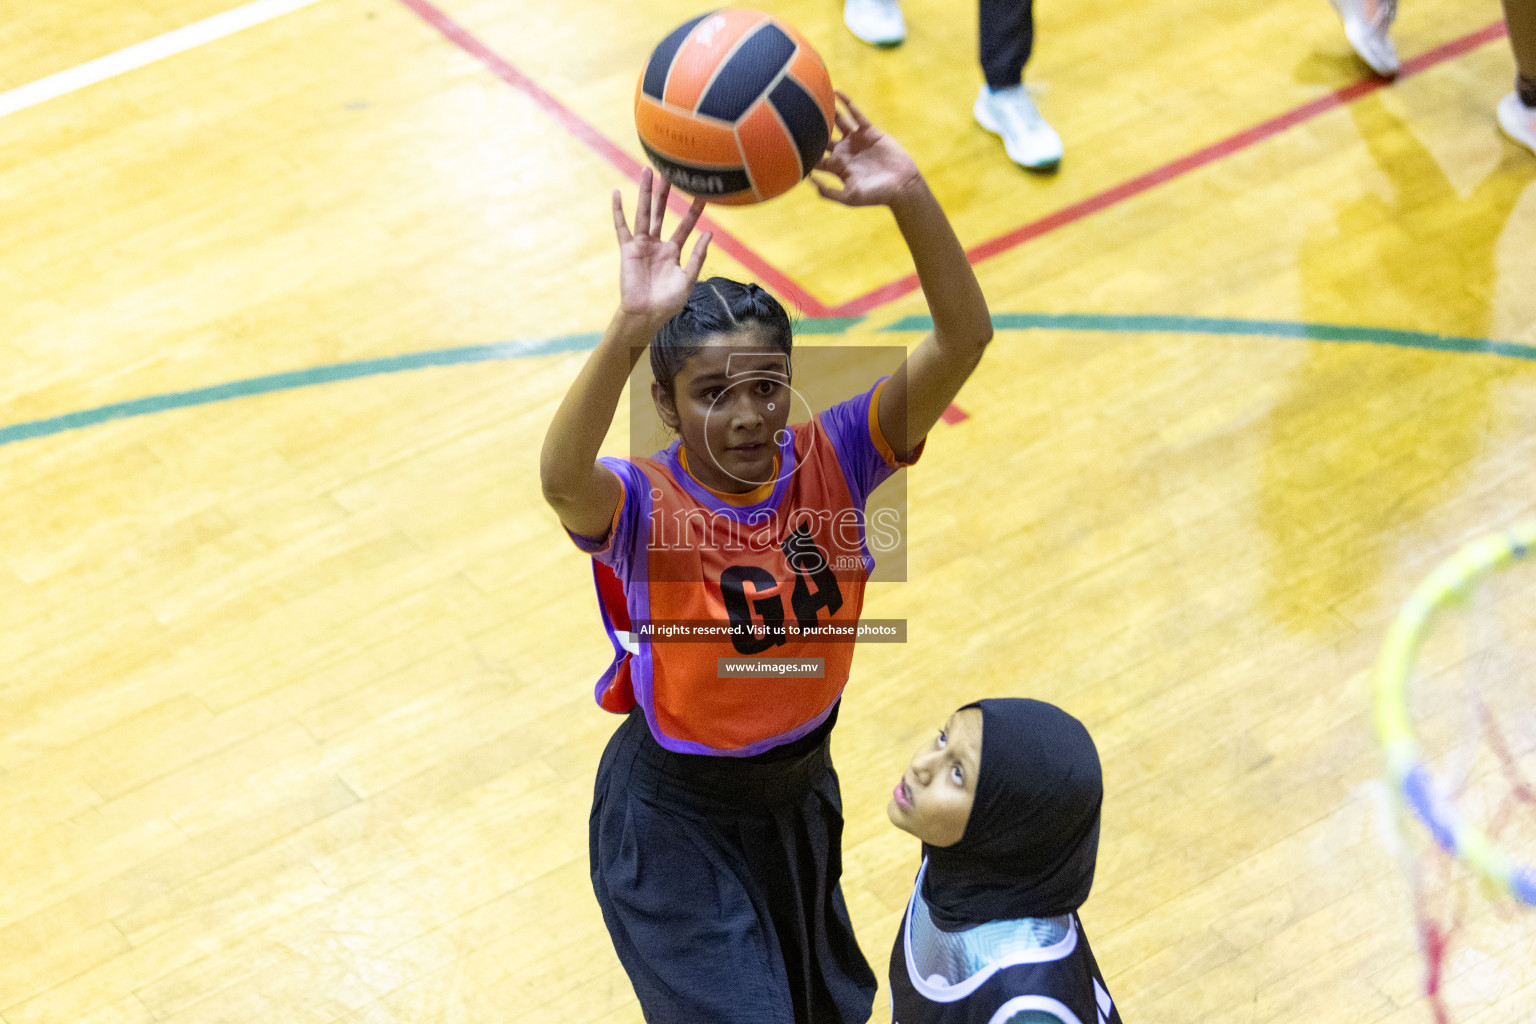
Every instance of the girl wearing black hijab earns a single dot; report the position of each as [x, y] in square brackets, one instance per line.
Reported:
[1006, 801]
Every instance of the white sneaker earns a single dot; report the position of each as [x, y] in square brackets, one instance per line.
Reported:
[1518, 121]
[1011, 113]
[877, 22]
[1366, 23]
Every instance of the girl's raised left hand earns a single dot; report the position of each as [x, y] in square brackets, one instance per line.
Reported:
[871, 166]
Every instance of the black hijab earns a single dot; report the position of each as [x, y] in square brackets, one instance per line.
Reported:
[1029, 847]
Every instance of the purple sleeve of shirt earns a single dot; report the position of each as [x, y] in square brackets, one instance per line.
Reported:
[848, 427]
[616, 550]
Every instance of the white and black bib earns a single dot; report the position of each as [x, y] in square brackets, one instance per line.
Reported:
[1033, 971]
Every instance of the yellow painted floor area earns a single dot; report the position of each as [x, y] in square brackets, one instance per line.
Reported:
[295, 714]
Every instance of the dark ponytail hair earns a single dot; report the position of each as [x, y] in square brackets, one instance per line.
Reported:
[716, 306]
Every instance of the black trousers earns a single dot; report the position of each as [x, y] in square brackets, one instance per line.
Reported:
[1007, 37]
[718, 878]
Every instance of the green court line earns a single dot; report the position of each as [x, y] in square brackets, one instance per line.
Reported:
[501, 351]
[1161, 324]
[295, 379]
[826, 324]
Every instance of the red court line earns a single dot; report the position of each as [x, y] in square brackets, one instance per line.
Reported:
[1226, 147]
[786, 286]
[604, 147]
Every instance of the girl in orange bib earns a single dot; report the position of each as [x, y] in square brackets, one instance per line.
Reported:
[716, 823]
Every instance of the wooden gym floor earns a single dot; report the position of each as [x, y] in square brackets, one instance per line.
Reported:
[295, 722]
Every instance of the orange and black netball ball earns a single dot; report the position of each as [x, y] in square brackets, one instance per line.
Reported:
[734, 106]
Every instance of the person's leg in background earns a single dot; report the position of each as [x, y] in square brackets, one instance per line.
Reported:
[877, 22]
[1004, 106]
[1366, 23]
[1517, 111]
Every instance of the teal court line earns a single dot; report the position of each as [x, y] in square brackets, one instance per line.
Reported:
[292, 380]
[502, 351]
[1163, 324]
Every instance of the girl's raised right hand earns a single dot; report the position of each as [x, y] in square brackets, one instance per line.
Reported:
[653, 282]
